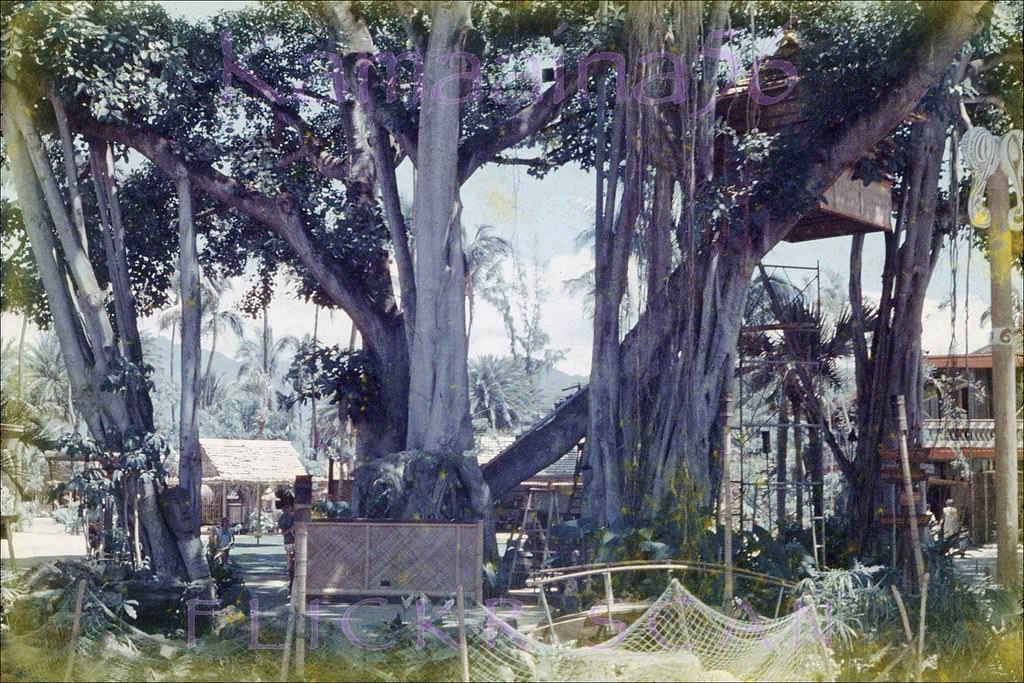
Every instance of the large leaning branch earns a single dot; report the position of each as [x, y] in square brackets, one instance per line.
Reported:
[929, 62]
[545, 443]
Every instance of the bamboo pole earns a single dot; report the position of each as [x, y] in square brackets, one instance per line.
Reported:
[463, 649]
[727, 501]
[921, 618]
[911, 645]
[301, 543]
[75, 628]
[908, 486]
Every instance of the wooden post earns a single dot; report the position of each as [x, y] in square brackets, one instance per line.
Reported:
[908, 486]
[303, 503]
[75, 627]
[547, 613]
[1004, 383]
[463, 649]
[10, 551]
[727, 592]
[609, 598]
[135, 523]
[289, 634]
[921, 618]
[906, 630]
[7, 534]
[995, 162]
[259, 513]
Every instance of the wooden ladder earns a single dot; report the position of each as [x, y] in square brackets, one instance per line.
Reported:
[575, 507]
[818, 541]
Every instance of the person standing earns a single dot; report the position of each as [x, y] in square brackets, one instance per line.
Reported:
[225, 540]
[286, 524]
[950, 521]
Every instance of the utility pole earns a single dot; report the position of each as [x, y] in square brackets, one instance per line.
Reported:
[995, 163]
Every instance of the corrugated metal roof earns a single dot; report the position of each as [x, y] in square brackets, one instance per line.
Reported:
[245, 460]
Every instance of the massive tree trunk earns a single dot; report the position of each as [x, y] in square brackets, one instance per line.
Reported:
[190, 467]
[438, 381]
[77, 306]
[437, 481]
[893, 364]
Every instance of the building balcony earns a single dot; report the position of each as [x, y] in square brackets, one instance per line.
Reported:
[974, 438]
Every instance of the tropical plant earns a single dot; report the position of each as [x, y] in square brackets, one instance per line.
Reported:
[484, 256]
[47, 381]
[21, 465]
[499, 391]
[215, 319]
[857, 600]
[797, 372]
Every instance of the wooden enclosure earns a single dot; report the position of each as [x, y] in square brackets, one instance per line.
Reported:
[379, 558]
[849, 207]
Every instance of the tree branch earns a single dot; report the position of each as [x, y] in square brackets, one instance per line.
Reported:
[281, 214]
[358, 43]
[388, 182]
[482, 146]
[533, 162]
[929, 62]
[1011, 55]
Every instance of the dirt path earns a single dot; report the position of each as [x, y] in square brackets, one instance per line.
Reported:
[980, 563]
[43, 540]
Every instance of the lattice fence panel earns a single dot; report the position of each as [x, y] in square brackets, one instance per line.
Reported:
[336, 558]
[394, 558]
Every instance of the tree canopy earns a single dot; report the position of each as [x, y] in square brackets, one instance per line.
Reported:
[286, 123]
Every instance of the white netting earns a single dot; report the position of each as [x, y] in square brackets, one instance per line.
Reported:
[677, 638]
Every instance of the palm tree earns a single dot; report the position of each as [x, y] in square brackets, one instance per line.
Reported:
[499, 391]
[216, 389]
[812, 349]
[48, 387]
[484, 256]
[262, 360]
[168, 318]
[216, 318]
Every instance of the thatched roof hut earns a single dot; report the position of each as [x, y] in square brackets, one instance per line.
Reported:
[249, 461]
[236, 472]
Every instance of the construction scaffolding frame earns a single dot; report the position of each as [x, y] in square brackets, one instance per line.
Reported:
[762, 492]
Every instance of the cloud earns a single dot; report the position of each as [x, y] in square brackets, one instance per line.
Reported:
[562, 316]
[941, 336]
